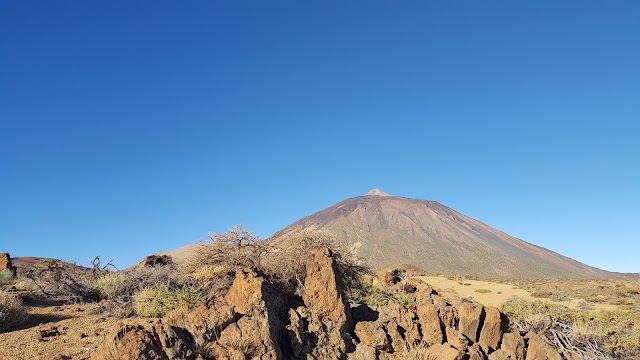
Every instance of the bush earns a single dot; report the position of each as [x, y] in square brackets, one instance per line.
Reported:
[12, 313]
[66, 280]
[593, 333]
[482, 291]
[7, 278]
[281, 261]
[159, 300]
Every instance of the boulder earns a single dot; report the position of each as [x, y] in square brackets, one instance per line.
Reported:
[373, 334]
[513, 344]
[456, 339]
[493, 328]
[471, 317]
[430, 324]
[444, 352]
[475, 352]
[406, 321]
[153, 342]
[539, 349]
[500, 355]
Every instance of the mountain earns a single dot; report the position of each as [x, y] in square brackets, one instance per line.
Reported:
[390, 230]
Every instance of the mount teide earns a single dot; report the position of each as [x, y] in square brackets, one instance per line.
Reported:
[390, 230]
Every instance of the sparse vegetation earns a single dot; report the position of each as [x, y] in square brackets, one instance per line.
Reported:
[65, 280]
[482, 291]
[282, 263]
[159, 300]
[7, 278]
[12, 312]
[615, 333]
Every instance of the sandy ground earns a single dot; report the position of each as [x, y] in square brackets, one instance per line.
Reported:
[59, 332]
[499, 293]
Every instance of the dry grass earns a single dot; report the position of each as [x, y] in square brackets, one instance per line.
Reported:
[12, 312]
[613, 333]
[160, 299]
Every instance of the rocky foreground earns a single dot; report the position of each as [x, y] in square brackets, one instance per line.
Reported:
[253, 320]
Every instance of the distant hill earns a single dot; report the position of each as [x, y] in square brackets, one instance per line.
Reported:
[390, 230]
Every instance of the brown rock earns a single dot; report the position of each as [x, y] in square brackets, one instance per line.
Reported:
[247, 291]
[5, 263]
[539, 349]
[445, 352]
[476, 353]
[456, 339]
[449, 316]
[513, 344]
[372, 334]
[156, 260]
[324, 292]
[405, 319]
[470, 318]
[492, 329]
[153, 342]
[325, 299]
[430, 324]
[500, 355]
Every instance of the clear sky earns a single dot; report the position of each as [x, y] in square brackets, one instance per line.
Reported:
[132, 127]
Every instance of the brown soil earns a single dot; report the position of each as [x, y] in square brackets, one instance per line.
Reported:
[59, 331]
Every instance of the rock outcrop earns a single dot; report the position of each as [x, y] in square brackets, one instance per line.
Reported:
[254, 320]
[5, 263]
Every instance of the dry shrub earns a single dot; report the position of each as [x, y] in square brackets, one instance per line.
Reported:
[285, 263]
[65, 280]
[592, 334]
[118, 289]
[12, 312]
[281, 261]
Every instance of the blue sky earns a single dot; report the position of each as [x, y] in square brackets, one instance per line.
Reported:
[128, 128]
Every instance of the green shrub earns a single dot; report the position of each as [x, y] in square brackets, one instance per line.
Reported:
[110, 286]
[158, 300]
[12, 313]
[483, 291]
[7, 278]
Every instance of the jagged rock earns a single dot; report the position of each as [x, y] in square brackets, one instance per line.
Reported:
[206, 321]
[430, 324]
[330, 316]
[513, 344]
[406, 322]
[500, 355]
[456, 339]
[295, 331]
[373, 334]
[324, 292]
[398, 342]
[5, 263]
[156, 260]
[246, 292]
[470, 320]
[492, 329]
[445, 352]
[538, 349]
[449, 316]
[257, 332]
[475, 352]
[154, 342]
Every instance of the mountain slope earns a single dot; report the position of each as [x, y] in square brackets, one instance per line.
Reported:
[389, 230]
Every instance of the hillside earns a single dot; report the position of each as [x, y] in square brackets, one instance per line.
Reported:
[389, 230]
